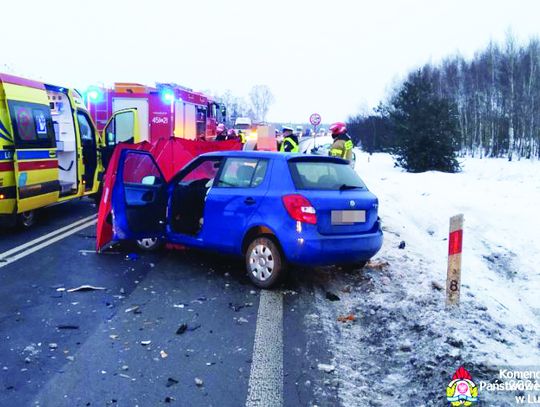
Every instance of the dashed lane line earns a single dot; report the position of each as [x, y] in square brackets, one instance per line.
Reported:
[266, 377]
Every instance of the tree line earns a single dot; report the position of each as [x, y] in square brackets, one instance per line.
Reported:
[493, 103]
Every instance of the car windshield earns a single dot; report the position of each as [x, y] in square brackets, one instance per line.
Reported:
[324, 175]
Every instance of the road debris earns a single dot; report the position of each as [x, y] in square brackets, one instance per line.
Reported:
[401, 245]
[242, 320]
[146, 343]
[238, 307]
[377, 264]
[85, 287]
[53, 345]
[171, 382]
[347, 318]
[163, 354]
[181, 329]
[331, 296]
[134, 308]
[179, 305]
[198, 382]
[326, 368]
[67, 327]
[113, 336]
[437, 286]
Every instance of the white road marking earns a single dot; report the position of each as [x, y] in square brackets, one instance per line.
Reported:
[44, 237]
[266, 377]
[34, 245]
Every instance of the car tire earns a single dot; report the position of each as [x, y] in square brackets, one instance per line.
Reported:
[149, 244]
[27, 219]
[349, 268]
[264, 262]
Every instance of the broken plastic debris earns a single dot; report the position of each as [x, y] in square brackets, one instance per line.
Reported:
[181, 329]
[178, 305]
[134, 308]
[85, 287]
[402, 244]
[242, 320]
[132, 256]
[163, 354]
[171, 382]
[326, 368]
[331, 296]
[347, 318]
[146, 343]
[67, 326]
[113, 336]
[53, 345]
[198, 382]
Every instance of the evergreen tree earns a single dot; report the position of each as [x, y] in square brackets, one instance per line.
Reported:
[426, 126]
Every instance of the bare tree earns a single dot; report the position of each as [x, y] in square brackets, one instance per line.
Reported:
[261, 98]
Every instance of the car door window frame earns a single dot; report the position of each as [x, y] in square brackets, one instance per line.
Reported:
[218, 177]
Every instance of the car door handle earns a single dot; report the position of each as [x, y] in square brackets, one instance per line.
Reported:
[249, 201]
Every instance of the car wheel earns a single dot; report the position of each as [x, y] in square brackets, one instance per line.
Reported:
[354, 266]
[27, 219]
[149, 244]
[264, 262]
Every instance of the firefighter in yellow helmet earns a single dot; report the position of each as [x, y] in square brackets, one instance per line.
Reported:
[343, 145]
[290, 141]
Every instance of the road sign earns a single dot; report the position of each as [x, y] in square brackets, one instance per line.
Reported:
[315, 119]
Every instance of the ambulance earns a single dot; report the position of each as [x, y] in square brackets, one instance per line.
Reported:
[132, 113]
[49, 148]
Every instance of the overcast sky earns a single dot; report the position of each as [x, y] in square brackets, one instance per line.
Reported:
[332, 57]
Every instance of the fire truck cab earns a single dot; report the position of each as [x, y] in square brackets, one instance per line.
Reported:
[131, 112]
[48, 148]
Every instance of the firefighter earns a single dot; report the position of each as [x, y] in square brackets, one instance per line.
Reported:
[221, 132]
[290, 141]
[231, 135]
[343, 145]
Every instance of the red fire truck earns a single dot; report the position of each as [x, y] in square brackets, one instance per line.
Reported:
[165, 110]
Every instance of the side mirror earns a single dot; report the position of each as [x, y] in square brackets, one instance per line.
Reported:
[150, 180]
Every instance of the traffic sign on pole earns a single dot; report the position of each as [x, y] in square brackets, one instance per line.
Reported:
[315, 119]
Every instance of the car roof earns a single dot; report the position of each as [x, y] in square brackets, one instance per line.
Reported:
[274, 156]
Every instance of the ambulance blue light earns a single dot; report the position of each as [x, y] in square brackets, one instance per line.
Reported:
[94, 94]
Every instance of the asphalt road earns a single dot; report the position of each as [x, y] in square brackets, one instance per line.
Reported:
[162, 322]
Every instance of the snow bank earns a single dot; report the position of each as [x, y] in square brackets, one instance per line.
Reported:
[405, 346]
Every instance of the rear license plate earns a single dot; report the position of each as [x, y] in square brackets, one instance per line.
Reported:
[348, 217]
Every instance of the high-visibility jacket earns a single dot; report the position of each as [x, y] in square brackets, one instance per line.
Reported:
[242, 138]
[342, 147]
[289, 145]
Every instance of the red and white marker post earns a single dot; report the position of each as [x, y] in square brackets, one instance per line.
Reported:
[455, 244]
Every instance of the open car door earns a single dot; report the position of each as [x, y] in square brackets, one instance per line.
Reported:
[134, 198]
[122, 127]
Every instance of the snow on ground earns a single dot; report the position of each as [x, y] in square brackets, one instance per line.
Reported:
[405, 345]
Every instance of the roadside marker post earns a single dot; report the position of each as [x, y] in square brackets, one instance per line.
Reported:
[453, 277]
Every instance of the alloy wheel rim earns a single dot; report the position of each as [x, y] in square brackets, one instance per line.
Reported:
[261, 262]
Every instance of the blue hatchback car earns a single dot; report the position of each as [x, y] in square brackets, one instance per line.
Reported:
[273, 209]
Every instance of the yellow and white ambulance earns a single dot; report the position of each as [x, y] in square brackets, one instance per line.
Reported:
[49, 148]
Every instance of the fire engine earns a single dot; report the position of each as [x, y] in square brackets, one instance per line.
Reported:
[165, 110]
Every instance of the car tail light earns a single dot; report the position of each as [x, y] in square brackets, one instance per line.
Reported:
[300, 209]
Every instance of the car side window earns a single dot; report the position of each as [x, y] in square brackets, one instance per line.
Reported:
[242, 173]
[140, 168]
[205, 170]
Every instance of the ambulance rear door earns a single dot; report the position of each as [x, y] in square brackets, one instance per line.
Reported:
[35, 161]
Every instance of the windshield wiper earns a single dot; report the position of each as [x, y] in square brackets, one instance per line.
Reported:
[344, 187]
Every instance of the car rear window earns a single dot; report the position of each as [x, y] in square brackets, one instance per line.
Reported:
[324, 175]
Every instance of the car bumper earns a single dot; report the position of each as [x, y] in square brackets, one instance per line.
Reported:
[322, 250]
